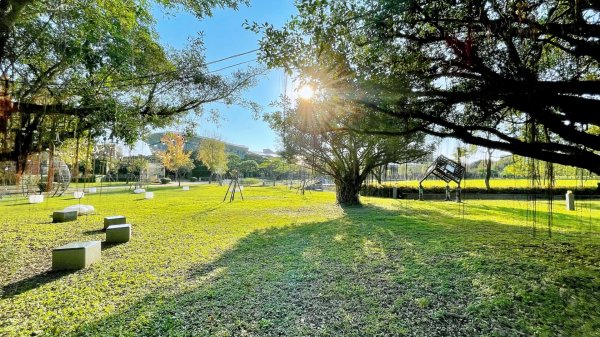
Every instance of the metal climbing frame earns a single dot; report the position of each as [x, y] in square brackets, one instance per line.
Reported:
[61, 174]
[447, 170]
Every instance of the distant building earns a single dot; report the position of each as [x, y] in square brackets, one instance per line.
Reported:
[266, 153]
[192, 144]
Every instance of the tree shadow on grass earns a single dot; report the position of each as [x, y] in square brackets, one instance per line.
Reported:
[562, 224]
[371, 272]
[32, 282]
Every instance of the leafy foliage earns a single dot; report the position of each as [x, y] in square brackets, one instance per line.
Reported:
[233, 164]
[74, 66]
[274, 168]
[386, 191]
[175, 158]
[521, 76]
[212, 154]
[320, 134]
[248, 167]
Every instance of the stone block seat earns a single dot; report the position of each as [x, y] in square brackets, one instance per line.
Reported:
[64, 216]
[76, 255]
[114, 220]
[118, 233]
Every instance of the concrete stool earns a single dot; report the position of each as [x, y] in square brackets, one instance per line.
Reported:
[114, 220]
[64, 216]
[186, 188]
[118, 233]
[36, 198]
[75, 255]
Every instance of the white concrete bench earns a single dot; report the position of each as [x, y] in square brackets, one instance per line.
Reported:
[64, 216]
[36, 198]
[76, 255]
[114, 220]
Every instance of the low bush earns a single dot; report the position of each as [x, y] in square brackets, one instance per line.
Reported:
[165, 180]
[193, 179]
[387, 191]
[251, 181]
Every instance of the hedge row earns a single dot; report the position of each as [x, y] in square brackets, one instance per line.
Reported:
[387, 191]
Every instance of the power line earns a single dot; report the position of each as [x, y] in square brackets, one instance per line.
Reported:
[233, 65]
[123, 81]
[142, 77]
[233, 56]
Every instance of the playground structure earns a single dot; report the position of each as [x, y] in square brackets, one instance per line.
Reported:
[45, 173]
[447, 170]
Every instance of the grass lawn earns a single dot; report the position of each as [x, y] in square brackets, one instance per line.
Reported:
[279, 263]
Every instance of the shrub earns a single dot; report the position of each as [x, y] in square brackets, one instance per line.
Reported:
[387, 191]
[165, 180]
[193, 179]
[42, 185]
[251, 181]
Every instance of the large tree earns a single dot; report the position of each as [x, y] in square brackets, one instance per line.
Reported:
[211, 153]
[521, 76]
[274, 168]
[319, 133]
[174, 157]
[95, 65]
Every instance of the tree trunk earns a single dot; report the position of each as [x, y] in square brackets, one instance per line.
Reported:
[488, 174]
[488, 170]
[347, 192]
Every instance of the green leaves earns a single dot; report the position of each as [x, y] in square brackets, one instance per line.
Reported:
[457, 69]
[100, 63]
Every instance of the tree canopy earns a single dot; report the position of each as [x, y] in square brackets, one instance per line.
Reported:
[175, 158]
[320, 134]
[212, 154]
[75, 66]
[521, 76]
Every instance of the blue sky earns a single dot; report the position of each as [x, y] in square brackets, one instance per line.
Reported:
[224, 36]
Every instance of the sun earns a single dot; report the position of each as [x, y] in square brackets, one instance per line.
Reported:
[306, 92]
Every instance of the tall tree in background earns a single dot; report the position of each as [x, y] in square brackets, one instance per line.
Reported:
[248, 167]
[488, 167]
[320, 133]
[70, 66]
[136, 168]
[233, 164]
[77, 152]
[175, 158]
[274, 168]
[520, 76]
[211, 153]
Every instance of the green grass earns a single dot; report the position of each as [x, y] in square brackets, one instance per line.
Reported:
[279, 263]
